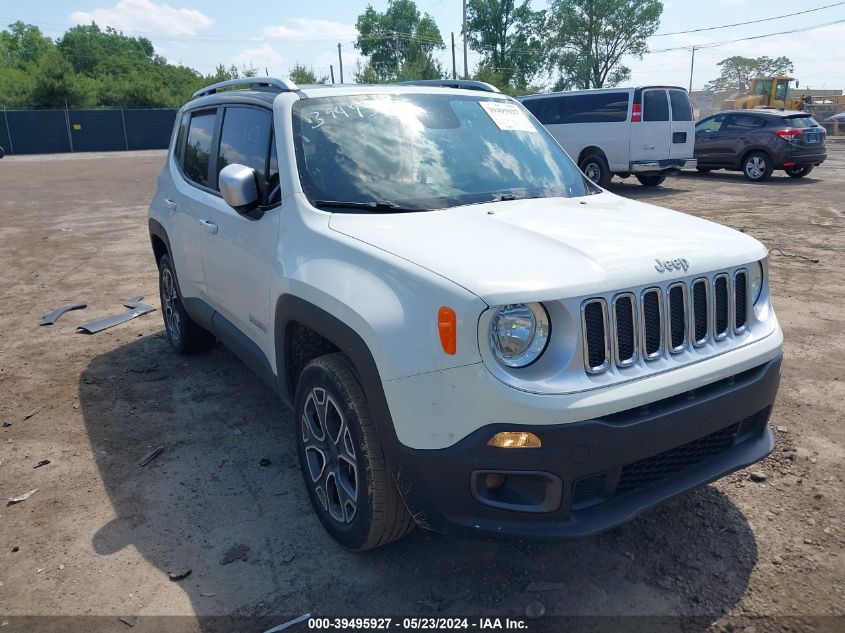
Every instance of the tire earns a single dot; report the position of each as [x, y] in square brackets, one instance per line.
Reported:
[757, 167]
[798, 171]
[184, 334]
[651, 180]
[346, 475]
[2, 152]
[594, 166]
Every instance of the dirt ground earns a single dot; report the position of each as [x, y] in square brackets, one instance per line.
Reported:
[101, 534]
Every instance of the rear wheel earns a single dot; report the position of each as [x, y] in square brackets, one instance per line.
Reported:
[799, 171]
[182, 331]
[757, 167]
[651, 180]
[595, 168]
[346, 475]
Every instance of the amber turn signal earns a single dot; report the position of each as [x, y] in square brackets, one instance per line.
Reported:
[447, 325]
[515, 439]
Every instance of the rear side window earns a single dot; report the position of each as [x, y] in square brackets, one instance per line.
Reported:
[198, 147]
[739, 122]
[800, 121]
[245, 140]
[681, 109]
[597, 107]
[655, 106]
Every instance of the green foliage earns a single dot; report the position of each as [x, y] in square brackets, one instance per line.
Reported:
[301, 74]
[508, 37]
[588, 38]
[22, 44]
[55, 84]
[737, 72]
[87, 47]
[399, 43]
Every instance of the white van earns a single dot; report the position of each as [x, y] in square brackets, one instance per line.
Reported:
[646, 131]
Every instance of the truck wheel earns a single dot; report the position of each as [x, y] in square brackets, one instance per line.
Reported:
[757, 167]
[798, 171]
[346, 475]
[651, 180]
[595, 168]
[182, 331]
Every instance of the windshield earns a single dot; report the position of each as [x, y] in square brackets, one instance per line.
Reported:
[424, 151]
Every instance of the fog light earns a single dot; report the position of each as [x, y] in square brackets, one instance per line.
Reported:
[494, 481]
[515, 439]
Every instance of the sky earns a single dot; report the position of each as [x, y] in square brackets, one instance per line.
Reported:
[278, 34]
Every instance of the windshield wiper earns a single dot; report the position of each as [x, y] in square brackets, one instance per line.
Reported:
[374, 205]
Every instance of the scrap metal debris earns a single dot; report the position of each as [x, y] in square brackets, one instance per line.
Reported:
[238, 552]
[12, 501]
[135, 309]
[180, 574]
[128, 621]
[287, 625]
[43, 462]
[32, 413]
[146, 459]
[54, 315]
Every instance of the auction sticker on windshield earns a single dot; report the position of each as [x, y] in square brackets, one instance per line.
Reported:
[507, 116]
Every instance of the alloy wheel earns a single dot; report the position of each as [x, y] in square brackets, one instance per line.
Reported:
[170, 304]
[592, 171]
[330, 456]
[755, 167]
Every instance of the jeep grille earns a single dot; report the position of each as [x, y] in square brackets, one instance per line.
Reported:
[662, 320]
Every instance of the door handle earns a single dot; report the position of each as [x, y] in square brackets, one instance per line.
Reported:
[170, 204]
[209, 226]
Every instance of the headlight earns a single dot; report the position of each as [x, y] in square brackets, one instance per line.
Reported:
[519, 333]
[755, 280]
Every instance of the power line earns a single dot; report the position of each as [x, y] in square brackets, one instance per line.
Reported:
[750, 37]
[727, 26]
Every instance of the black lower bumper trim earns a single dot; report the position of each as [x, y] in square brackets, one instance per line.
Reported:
[611, 468]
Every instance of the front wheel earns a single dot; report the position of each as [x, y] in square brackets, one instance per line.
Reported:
[346, 475]
[798, 171]
[651, 180]
[757, 167]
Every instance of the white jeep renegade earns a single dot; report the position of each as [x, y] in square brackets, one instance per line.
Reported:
[473, 336]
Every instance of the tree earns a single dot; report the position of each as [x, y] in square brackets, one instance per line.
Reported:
[55, 84]
[588, 39]
[398, 42]
[301, 74]
[87, 47]
[737, 72]
[23, 44]
[508, 37]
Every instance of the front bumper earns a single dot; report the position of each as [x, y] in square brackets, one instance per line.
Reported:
[672, 164]
[592, 475]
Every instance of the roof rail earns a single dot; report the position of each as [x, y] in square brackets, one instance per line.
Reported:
[466, 84]
[283, 85]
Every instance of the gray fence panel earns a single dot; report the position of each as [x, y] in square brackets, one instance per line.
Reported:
[149, 129]
[96, 130]
[38, 131]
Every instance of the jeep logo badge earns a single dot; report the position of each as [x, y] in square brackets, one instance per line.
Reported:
[662, 266]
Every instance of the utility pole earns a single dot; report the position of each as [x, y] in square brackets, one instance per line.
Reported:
[340, 61]
[454, 72]
[331, 70]
[464, 33]
[691, 67]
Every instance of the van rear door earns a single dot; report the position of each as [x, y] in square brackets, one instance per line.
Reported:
[683, 127]
[651, 135]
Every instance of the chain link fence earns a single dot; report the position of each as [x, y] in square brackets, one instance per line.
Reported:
[53, 131]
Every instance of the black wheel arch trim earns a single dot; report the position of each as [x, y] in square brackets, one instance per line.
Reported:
[292, 309]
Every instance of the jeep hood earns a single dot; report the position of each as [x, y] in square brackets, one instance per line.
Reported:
[552, 248]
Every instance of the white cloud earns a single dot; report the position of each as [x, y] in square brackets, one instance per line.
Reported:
[145, 16]
[261, 57]
[312, 29]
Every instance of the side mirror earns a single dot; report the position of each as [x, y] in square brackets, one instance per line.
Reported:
[238, 186]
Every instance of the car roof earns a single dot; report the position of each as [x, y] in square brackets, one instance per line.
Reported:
[566, 93]
[767, 111]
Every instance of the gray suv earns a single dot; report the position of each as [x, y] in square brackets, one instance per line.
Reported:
[757, 142]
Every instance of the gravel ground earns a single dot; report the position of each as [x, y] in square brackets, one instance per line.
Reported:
[101, 534]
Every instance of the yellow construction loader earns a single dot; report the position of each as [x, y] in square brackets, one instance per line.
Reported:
[767, 92]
